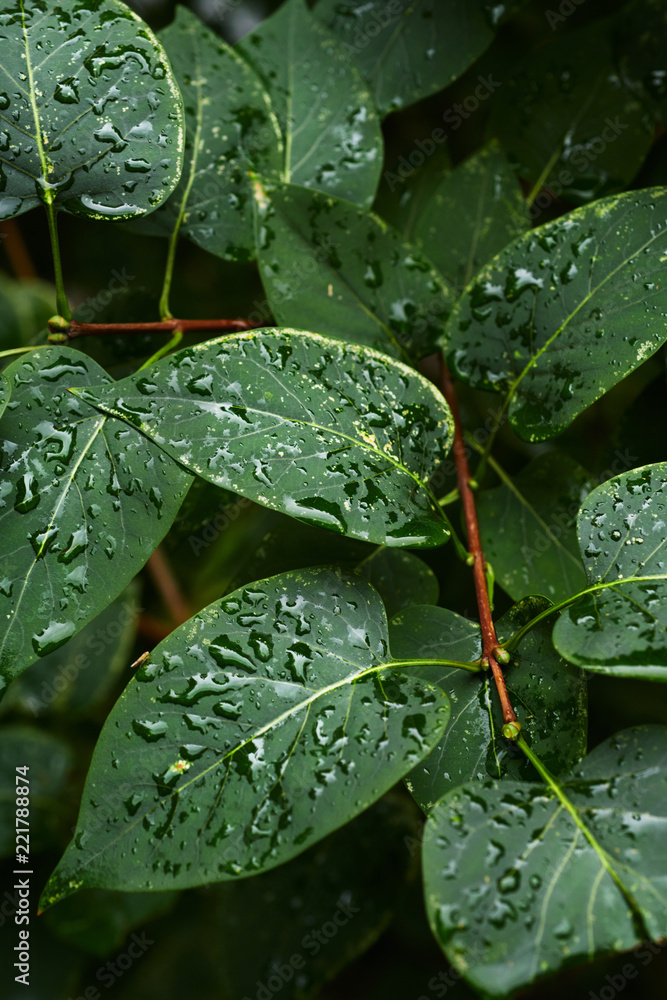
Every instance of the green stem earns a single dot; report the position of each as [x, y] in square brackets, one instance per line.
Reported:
[485, 451]
[174, 342]
[19, 350]
[473, 667]
[605, 860]
[450, 497]
[62, 304]
[165, 312]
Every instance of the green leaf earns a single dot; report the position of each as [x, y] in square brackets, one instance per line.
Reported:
[473, 213]
[327, 432]
[230, 130]
[548, 695]
[568, 121]
[410, 50]
[566, 311]
[262, 724]
[620, 627]
[91, 114]
[77, 677]
[333, 140]
[400, 578]
[517, 886]
[528, 527]
[50, 761]
[25, 307]
[84, 501]
[5, 393]
[327, 264]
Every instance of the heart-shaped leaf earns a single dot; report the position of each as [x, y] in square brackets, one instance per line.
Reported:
[325, 431]
[620, 625]
[522, 879]
[83, 503]
[329, 265]
[528, 527]
[410, 50]
[566, 311]
[230, 130]
[90, 112]
[473, 212]
[548, 695]
[262, 724]
[333, 139]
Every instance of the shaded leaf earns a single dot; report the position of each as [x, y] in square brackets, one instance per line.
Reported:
[548, 696]
[25, 307]
[5, 393]
[327, 432]
[566, 311]
[230, 130]
[620, 627]
[568, 121]
[93, 94]
[78, 676]
[475, 211]
[410, 50]
[50, 761]
[83, 502]
[528, 527]
[333, 140]
[262, 724]
[515, 889]
[328, 265]
[400, 578]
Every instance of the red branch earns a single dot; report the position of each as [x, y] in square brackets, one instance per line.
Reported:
[74, 329]
[489, 639]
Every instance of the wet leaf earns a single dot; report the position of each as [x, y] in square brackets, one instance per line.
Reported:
[262, 724]
[91, 115]
[84, 501]
[514, 888]
[473, 213]
[569, 122]
[327, 432]
[528, 527]
[410, 50]
[74, 679]
[230, 130]
[620, 627]
[566, 311]
[328, 265]
[333, 140]
[548, 695]
[5, 393]
[50, 761]
[400, 578]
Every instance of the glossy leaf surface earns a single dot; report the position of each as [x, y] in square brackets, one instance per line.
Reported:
[230, 130]
[569, 122]
[259, 726]
[621, 627]
[528, 528]
[328, 265]
[327, 432]
[85, 500]
[410, 50]
[5, 393]
[333, 140]
[475, 211]
[91, 114]
[514, 888]
[566, 311]
[548, 695]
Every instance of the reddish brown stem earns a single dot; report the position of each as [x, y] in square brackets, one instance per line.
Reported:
[17, 252]
[489, 638]
[165, 582]
[165, 326]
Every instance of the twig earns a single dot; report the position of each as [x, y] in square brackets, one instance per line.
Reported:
[162, 576]
[16, 250]
[491, 649]
[62, 331]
